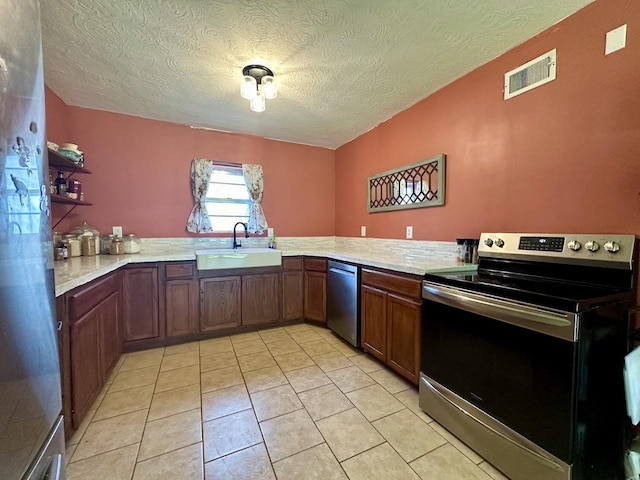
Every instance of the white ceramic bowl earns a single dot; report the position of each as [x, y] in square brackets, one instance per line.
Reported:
[71, 147]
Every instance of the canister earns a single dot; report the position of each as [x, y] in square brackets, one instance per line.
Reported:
[105, 244]
[117, 246]
[132, 243]
[73, 245]
[461, 250]
[88, 246]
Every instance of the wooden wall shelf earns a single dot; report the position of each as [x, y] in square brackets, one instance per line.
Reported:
[64, 164]
[55, 198]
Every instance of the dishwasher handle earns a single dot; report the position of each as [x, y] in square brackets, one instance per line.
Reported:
[341, 272]
[342, 268]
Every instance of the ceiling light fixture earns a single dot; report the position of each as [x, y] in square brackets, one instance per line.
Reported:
[257, 85]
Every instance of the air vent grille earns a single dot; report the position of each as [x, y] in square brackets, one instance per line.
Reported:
[532, 74]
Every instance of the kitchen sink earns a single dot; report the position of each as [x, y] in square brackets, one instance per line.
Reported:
[239, 258]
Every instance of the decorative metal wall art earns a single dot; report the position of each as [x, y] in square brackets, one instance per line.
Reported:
[417, 185]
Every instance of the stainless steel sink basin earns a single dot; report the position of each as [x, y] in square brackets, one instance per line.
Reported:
[239, 258]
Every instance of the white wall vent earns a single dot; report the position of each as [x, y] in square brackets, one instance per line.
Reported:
[532, 74]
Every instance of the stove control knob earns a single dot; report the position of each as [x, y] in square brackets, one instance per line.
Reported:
[488, 242]
[499, 242]
[592, 246]
[574, 245]
[612, 247]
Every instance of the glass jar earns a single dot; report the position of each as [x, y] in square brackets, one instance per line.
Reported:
[105, 244]
[132, 243]
[57, 238]
[460, 250]
[117, 246]
[73, 245]
[84, 229]
[88, 246]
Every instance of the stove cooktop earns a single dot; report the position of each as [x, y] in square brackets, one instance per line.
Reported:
[552, 293]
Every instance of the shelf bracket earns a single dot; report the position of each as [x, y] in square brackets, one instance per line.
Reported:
[64, 216]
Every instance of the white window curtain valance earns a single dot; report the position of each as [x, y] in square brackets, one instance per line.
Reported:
[255, 186]
[199, 222]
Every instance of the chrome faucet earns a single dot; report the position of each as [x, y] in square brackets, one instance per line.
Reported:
[236, 243]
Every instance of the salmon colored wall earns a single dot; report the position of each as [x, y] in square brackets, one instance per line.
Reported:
[140, 175]
[564, 157]
[57, 130]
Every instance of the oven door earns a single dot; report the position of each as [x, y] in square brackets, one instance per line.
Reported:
[514, 361]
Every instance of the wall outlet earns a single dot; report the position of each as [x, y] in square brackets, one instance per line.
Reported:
[117, 231]
[363, 231]
[409, 231]
[269, 232]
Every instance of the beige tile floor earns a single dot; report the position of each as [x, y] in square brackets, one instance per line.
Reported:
[287, 403]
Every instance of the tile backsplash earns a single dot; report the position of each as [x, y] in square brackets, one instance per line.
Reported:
[409, 249]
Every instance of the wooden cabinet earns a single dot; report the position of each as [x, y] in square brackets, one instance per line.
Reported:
[86, 373]
[181, 304]
[93, 314]
[373, 313]
[292, 288]
[181, 299]
[141, 303]
[315, 289]
[110, 338]
[260, 298]
[403, 345]
[391, 312]
[219, 303]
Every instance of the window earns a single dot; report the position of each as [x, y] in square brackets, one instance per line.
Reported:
[227, 198]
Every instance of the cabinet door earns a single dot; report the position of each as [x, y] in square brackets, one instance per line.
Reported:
[219, 303]
[86, 377]
[404, 317]
[181, 303]
[110, 344]
[315, 296]
[141, 303]
[292, 295]
[260, 298]
[373, 316]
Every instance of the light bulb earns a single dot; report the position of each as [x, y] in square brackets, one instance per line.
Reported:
[269, 87]
[257, 103]
[248, 87]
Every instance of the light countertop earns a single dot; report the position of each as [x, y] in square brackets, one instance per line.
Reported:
[78, 271]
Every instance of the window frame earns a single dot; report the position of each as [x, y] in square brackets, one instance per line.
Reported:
[236, 169]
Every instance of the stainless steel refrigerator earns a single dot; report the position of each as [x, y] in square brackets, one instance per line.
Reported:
[31, 432]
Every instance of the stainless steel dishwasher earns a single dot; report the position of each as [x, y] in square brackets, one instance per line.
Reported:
[343, 301]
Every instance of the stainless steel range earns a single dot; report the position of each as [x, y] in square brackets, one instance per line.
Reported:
[523, 360]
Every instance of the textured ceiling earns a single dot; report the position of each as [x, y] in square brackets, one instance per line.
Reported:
[342, 66]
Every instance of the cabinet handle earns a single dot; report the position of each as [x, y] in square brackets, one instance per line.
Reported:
[59, 327]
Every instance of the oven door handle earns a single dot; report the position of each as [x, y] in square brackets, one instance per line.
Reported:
[558, 324]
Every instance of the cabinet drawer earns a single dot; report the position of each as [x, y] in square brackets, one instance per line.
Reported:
[315, 264]
[88, 297]
[179, 270]
[292, 263]
[407, 286]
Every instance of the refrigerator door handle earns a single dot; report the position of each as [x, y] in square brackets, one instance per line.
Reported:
[55, 470]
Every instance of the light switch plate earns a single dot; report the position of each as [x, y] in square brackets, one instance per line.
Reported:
[409, 231]
[269, 232]
[363, 231]
[616, 39]
[117, 231]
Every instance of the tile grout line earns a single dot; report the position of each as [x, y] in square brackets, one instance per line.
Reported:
[118, 369]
